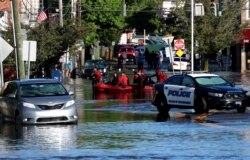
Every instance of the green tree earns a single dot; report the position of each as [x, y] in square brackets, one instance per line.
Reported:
[143, 15]
[106, 16]
[53, 42]
[213, 33]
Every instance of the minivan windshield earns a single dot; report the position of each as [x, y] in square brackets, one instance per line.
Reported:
[43, 89]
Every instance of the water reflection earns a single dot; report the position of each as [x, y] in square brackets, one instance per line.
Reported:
[122, 126]
[122, 97]
[42, 137]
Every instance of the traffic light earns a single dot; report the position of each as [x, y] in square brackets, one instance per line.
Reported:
[213, 7]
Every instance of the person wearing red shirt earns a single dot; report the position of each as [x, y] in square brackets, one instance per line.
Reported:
[97, 76]
[123, 80]
[160, 76]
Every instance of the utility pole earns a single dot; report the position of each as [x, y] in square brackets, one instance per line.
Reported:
[19, 46]
[124, 8]
[79, 12]
[81, 43]
[61, 12]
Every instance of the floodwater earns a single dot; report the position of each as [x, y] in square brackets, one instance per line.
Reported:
[125, 126]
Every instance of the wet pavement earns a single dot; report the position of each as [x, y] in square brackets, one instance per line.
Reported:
[125, 126]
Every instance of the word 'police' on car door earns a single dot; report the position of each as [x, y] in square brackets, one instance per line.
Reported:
[179, 95]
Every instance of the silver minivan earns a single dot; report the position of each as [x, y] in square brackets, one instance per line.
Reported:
[37, 101]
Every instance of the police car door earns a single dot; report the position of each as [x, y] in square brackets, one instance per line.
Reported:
[181, 94]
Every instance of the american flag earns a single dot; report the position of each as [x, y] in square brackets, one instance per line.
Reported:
[41, 16]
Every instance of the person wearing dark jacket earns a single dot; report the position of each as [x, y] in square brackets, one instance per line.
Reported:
[114, 79]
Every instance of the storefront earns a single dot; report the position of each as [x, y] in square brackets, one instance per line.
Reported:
[245, 49]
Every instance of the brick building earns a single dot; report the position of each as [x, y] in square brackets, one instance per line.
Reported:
[28, 10]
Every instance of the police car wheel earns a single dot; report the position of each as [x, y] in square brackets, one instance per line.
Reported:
[161, 104]
[17, 119]
[201, 106]
[241, 109]
[162, 117]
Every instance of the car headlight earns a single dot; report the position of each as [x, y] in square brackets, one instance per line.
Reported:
[215, 94]
[29, 105]
[70, 103]
[104, 70]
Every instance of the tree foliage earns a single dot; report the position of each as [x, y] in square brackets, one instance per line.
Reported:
[106, 16]
[53, 42]
[142, 15]
[213, 33]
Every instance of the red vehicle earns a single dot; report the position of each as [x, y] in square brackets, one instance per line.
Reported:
[130, 52]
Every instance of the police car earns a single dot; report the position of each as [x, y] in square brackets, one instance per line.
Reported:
[200, 92]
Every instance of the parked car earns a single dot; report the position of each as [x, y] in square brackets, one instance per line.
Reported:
[37, 101]
[130, 52]
[180, 63]
[89, 65]
[200, 92]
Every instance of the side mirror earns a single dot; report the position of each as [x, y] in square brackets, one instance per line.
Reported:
[233, 84]
[12, 96]
[71, 93]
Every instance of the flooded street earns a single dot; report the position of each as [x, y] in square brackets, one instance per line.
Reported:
[125, 126]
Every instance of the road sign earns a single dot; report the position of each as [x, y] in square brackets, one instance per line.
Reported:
[29, 50]
[179, 53]
[29, 53]
[5, 49]
[179, 44]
